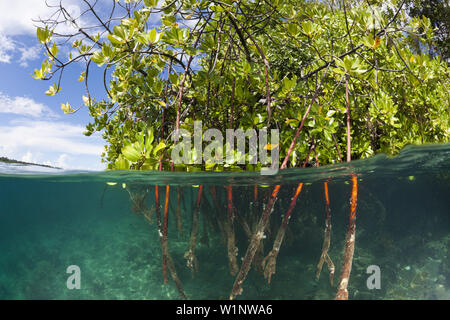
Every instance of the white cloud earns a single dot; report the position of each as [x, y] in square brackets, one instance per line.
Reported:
[28, 157]
[55, 143]
[21, 17]
[29, 53]
[16, 17]
[48, 136]
[10, 47]
[61, 162]
[7, 46]
[44, 141]
[24, 106]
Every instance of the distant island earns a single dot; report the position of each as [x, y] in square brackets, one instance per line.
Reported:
[7, 160]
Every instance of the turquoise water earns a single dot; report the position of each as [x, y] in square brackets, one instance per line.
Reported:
[51, 220]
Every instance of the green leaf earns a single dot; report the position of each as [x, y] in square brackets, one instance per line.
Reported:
[294, 122]
[67, 108]
[54, 50]
[142, 38]
[191, 51]
[131, 153]
[168, 20]
[158, 86]
[37, 75]
[289, 84]
[150, 3]
[307, 27]
[115, 40]
[106, 51]
[86, 101]
[368, 41]
[53, 90]
[154, 36]
[293, 29]
[150, 136]
[161, 145]
[43, 35]
[122, 163]
[120, 33]
[128, 22]
[247, 67]
[98, 58]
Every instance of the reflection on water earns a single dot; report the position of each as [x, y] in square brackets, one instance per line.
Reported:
[51, 220]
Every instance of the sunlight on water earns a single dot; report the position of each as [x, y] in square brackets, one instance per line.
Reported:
[52, 219]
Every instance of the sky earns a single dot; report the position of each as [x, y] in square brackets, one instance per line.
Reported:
[33, 127]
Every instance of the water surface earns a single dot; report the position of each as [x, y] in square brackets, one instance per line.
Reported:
[51, 219]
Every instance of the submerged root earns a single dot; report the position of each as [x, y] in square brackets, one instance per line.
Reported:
[331, 268]
[259, 255]
[138, 197]
[191, 262]
[254, 244]
[324, 257]
[173, 274]
[229, 230]
[269, 262]
[226, 227]
[162, 231]
[342, 293]
[258, 260]
[177, 212]
[190, 254]
[231, 247]
[149, 215]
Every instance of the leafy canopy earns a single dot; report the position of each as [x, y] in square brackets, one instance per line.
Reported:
[252, 65]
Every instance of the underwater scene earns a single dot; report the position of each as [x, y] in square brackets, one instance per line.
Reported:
[151, 235]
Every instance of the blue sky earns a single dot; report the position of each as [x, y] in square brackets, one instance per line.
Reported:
[32, 126]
